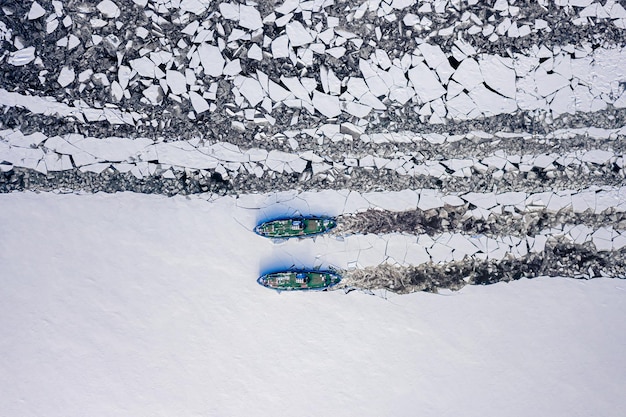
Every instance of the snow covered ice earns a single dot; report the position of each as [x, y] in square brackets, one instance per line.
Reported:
[176, 324]
[471, 153]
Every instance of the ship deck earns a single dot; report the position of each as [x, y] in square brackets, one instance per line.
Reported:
[292, 280]
[294, 227]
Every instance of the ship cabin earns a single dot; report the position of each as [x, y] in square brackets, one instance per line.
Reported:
[297, 225]
[301, 278]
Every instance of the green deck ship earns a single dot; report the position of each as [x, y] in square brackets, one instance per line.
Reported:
[299, 280]
[295, 227]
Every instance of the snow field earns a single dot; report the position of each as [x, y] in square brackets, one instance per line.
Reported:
[126, 304]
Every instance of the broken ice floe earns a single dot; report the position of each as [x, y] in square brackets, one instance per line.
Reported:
[82, 112]
[407, 164]
[22, 57]
[568, 81]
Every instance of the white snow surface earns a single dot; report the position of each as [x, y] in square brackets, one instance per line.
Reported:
[127, 304]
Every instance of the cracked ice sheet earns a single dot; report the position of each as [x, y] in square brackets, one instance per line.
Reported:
[302, 254]
[293, 203]
[184, 154]
[532, 86]
[333, 203]
[50, 107]
[106, 146]
[393, 200]
[355, 202]
[113, 149]
[406, 250]
[397, 249]
[408, 137]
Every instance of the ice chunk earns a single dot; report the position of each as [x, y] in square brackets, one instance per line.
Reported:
[255, 52]
[337, 52]
[380, 87]
[211, 59]
[462, 246]
[357, 109]
[124, 75]
[198, 102]
[564, 101]
[597, 156]
[498, 75]
[429, 199]
[298, 35]
[437, 60]
[490, 103]
[326, 104]
[417, 255]
[144, 66]
[233, 67]
[580, 3]
[108, 9]
[191, 28]
[185, 155]
[371, 100]
[320, 167]
[251, 90]
[51, 26]
[72, 42]
[296, 87]
[326, 36]
[410, 19]
[154, 94]
[229, 11]
[194, 6]
[402, 4]
[620, 103]
[288, 6]
[22, 57]
[401, 94]
[461, 107]
[549, 83]
[117, 91]
[280, 47]
[250, 18]
[17, 138]
[36, 11]
[425, 82]
[357, 87]
[227, 152]
[66, 76]
[276, 160]
[617, 11]
[468, 74]
[482, 200]
[603, 239]
[334, 83]
[383, 59]
[277, 93]
[440, 252]
[176, 82]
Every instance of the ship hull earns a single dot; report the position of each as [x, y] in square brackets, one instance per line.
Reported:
[295, 227]
[299, 280]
